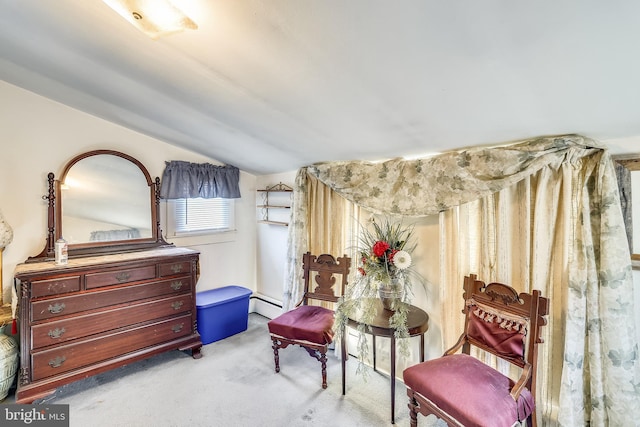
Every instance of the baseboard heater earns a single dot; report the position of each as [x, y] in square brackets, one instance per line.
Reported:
[259, 298]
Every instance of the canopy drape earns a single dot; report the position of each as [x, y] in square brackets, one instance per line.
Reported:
[600, 369]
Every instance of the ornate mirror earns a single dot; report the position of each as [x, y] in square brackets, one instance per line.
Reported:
[104, 202]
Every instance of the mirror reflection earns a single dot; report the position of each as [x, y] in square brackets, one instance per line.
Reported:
[105, 198]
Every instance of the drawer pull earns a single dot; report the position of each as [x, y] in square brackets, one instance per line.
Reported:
[123, 277]
[57, 362]
[177, 328]
[177, 304]
[56, 333]
[176, 285]
[56, 308]
[176, 268]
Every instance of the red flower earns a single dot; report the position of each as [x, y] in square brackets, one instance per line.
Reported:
[379, 248]
[361, 271]
[392, 254]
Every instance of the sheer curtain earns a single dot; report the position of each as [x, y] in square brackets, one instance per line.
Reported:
[516, 236]
[330, 220]
[555, 224]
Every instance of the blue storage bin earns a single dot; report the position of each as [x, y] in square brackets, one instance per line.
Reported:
[222, 312]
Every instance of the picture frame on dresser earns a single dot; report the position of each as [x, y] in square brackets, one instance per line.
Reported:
[121, 297]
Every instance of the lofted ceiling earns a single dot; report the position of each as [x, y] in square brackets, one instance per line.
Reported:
[272, 85]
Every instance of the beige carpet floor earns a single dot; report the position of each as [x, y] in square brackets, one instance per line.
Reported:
[233, 384]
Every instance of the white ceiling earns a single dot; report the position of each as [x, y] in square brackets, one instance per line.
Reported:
[272, 85]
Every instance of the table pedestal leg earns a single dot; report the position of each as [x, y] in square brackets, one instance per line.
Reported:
[393, 378]
[374, 352]
[418, 324]
[343, 354]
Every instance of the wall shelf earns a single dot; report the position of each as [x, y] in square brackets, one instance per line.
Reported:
[274, 222]
[278, 201]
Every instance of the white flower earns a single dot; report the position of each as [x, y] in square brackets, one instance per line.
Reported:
[402, 260]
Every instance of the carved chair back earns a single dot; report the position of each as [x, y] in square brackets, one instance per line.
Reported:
[325, 277]
[504, 323]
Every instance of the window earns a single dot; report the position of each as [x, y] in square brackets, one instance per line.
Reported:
[199, 216]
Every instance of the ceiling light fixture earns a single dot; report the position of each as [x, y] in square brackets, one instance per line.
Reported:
[155, 18]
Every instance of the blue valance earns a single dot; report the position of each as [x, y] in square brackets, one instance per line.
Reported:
[185, 180]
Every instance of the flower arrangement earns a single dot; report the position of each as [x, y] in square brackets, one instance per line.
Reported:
[384, 253]
[384, 273]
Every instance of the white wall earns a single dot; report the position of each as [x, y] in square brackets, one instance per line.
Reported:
[38, 136]
[271, 243]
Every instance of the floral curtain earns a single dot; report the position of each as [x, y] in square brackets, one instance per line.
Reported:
[600, 369]
[601, 375]
[184, 180]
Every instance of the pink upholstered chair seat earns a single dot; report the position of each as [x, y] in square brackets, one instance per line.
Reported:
[462, 390]
[310, 325]
[307, 323]
[469, 390]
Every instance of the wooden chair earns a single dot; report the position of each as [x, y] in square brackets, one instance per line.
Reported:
[311, 326]
[462, 390]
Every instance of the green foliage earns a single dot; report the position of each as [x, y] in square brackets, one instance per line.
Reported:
[385, 260]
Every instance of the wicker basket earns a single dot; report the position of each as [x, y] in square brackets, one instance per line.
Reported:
[8, 364]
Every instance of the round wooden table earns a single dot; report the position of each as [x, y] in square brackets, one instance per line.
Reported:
[417, 325]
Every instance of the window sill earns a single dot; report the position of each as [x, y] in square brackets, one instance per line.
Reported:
[203, 238]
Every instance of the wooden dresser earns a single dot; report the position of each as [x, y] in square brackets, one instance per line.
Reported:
[101, 312]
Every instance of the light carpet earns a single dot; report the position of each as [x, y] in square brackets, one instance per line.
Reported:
[233, 384]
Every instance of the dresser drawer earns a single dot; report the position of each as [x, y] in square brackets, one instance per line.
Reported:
[102, 312]
[61, 331]
[174, 268]
[61, 285]
[48, 309]
[64, 358]
[116, 277]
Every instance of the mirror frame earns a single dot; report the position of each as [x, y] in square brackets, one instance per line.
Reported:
[632, 163]
[54, 216]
